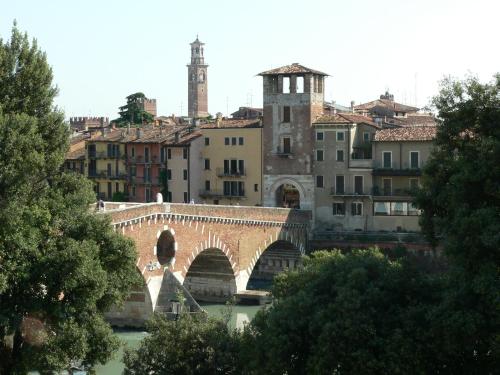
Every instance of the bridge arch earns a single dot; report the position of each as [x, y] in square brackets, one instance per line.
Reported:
[166, 246]
[211, 277]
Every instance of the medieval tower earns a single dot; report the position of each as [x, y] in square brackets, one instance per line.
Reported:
[197, 82]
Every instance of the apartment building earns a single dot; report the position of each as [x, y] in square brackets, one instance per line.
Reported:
[398, 157]
[232, 162]
[343, 171]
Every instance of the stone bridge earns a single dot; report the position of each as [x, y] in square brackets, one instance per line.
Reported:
[208, 251]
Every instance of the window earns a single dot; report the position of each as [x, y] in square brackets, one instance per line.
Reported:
[207, 141]
[241, 167]
[286, 114]
[169, 153]
[286, 85]
[320, 136]
[300, 85]
[240, 141]
[109, 171]
[340, 136]
[414, 160]
[339, 209]
[110, 191]
[185, 174]
[147, 174]
[256, 187]
[233, 141]
[387, 182]
[387, 159]
[319, 155]
[207, 164]
[413, 184]
[366, 137]
[117, 187]
[162, 154]
[110, 150]
[133, 170]
[148, 195]
[185, 153]
[169, 174]
[358, 184]
[185, 197]
[133, 191]
[286, 145]
[207, 185]
[339, 185]
[132, 152]
[340, 155]
[399, 208]
[381, 208]
[412, 210]
[319, 181]
[146, 154]
[169, 196]
[234, 188]
[356, 209]
[226, 141]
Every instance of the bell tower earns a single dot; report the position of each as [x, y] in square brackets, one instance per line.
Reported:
[197, 82]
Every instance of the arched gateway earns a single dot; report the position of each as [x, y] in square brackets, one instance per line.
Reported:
[211, 251]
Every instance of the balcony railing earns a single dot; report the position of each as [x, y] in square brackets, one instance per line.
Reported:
[222, 172]
[348, 192]
[379, 191]
[105, 175]
[221, 194]
[405, 169]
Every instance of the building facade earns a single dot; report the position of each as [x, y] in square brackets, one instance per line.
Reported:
[232, 162]
[197, 82]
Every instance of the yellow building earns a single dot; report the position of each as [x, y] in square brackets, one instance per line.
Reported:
[232, 162]
[105, 163]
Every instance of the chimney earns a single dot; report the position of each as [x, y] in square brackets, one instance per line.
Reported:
[128, 128]
[218, 119]
[177, 137]
[138, 133]
[103, 132]
[352, 105]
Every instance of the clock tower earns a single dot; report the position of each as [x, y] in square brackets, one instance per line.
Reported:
[197, 82]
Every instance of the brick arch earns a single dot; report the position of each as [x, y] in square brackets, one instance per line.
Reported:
[280, 235]
[290, 181]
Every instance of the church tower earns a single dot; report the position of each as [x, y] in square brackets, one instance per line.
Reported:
[197, 82]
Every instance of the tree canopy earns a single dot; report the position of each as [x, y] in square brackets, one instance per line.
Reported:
[61, 266]
[133, 112]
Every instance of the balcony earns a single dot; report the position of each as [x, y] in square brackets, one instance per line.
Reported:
[222, 172]
[104, 155]
[221, 194]
[104, 175]
[395, 170]
[140, 159]
[379, 192]
[348, 193]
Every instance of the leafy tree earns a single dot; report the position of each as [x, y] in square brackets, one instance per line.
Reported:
[61, 266]
[355, 313]
[460, 199]
[133, 112]
[193, 344]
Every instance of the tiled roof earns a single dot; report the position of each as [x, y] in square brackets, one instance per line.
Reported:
[233, 123]
[406, 134]
[294, 68]
[149, 134]
[386, 103]
[345, 118]
[77, 154]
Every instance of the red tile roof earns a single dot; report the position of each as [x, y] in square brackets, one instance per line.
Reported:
[233, 123]
[386, 103]
[294, 68]
[345, 118]
[406, 134]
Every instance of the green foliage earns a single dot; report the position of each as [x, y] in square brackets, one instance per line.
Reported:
[355, 313]
[460, 199]
[192, 344]
[119, 196]
[132, 112]
[61, 266]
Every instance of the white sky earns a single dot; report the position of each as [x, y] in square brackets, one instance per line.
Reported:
[102, 51]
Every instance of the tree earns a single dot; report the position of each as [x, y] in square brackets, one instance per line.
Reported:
[193, 344]
[61, 266]
[133, 112]
[355, 313]
[460, 199]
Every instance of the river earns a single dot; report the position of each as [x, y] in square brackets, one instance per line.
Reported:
[240, 315]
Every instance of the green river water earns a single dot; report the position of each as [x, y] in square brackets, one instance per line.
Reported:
[240, 315]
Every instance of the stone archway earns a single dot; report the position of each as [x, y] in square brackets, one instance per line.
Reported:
[165, 247]
[288, 191]
[211, 277]
[277, 257]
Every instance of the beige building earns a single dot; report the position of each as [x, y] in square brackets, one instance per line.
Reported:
[232, 162]
[343, 171]
[399, 155]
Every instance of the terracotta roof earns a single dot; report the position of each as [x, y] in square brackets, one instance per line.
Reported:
[233, 123]
[295, 68]
[386, 103]
[406, 134]
[345, 118]
[76, 154]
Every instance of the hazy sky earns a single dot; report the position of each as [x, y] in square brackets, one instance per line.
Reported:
[102, 51]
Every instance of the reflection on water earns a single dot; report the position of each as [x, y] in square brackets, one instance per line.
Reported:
[239, 316]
